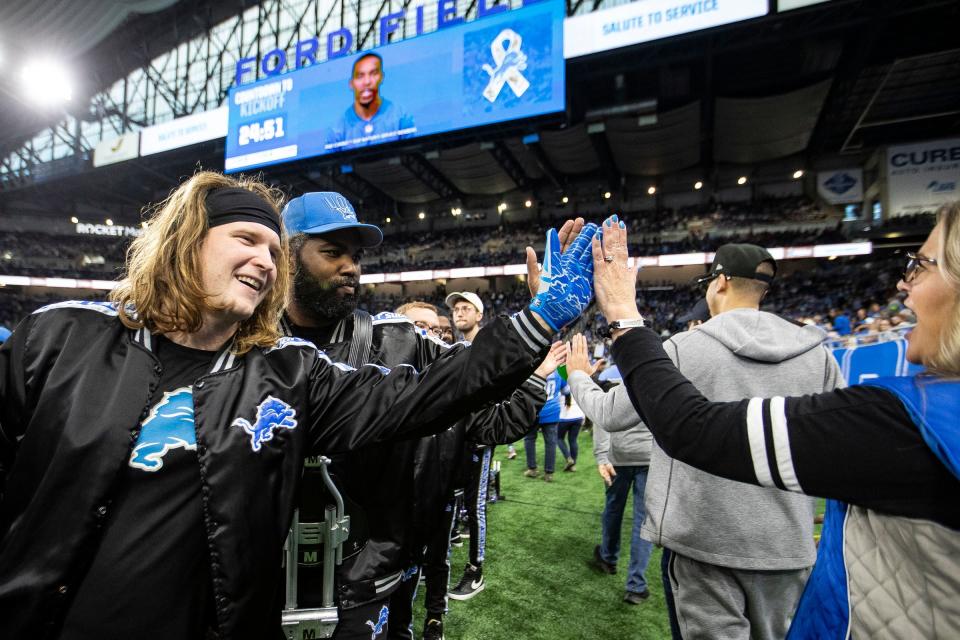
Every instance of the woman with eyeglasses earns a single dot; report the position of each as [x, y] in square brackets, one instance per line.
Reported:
[886, 452]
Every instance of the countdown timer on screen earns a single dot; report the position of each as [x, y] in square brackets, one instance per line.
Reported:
[498, 68]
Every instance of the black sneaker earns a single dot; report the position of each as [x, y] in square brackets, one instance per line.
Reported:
[635, 597]
[601, 564]
[470, 584]
[433, 629]
[456, 539]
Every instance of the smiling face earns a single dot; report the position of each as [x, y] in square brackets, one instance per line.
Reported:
[365, 82]
[933, 301]
[238, 269]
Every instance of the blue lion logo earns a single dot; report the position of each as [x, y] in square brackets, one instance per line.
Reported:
[169, 426]
[272, 414]
[377, 627]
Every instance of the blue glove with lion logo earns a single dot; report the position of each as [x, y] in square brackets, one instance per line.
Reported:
[566, 281]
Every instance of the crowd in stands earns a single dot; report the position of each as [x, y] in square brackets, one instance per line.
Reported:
[781, 222]
[861, 289]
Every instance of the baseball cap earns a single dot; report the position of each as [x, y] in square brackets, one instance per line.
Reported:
[4, 334]
[322, 212]
[472, 298]
[740, 261]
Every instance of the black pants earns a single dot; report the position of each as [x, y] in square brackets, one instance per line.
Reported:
[366, 622]
[475, 500]
[435, 565]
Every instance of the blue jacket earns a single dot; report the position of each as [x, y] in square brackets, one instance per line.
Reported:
[824, 608]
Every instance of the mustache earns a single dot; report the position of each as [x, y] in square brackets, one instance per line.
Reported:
[343, 282]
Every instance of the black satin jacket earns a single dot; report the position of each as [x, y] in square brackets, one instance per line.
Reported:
[75, 385]
[395, 492]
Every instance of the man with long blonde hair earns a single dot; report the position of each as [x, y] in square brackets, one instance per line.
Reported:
[151, 447]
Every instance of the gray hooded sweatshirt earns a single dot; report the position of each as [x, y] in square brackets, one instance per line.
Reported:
[739, 354]
[619, 436]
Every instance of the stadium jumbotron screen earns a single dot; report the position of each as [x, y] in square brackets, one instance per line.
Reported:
[503, 67]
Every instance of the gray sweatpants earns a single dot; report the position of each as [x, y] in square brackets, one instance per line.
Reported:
[733, 604]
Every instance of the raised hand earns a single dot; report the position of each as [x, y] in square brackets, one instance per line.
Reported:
[577, 357]
[566, 281]
[570, 230]
[615, 282]
[555, 357]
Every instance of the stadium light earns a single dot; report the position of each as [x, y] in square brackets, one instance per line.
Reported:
[46, 83]
[607, 195]
[651, 190]
[455, 211]
[501, 207]
[109, 222]
[698, 185]
[742, 180]
[565, 199]
[528, 203]
[74, 219]
[798, 174]
[421, 215]
[388, 220]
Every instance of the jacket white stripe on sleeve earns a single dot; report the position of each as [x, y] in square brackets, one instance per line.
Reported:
[758, 444]
[523, 333]
[537, 336]
[781, 444]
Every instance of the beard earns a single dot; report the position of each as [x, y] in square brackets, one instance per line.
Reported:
[320, 299]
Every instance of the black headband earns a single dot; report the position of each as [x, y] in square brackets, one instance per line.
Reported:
[234, 204]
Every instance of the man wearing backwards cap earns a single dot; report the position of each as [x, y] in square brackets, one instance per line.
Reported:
[378, 482]
[737, 555]
[151, 447]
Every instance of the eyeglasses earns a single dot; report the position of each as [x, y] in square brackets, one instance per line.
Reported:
[436, 330]
[915, 263]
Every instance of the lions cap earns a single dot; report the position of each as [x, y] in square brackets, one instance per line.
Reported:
[472, 298]
[740, 261]
[322, 212]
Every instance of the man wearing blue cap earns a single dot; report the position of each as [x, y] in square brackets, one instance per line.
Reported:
[381, 555]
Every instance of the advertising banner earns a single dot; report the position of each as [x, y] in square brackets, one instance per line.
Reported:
[842, 186]
[503, 67]
[923, 176]
[126, 147]
[646, 20]
[183, 132]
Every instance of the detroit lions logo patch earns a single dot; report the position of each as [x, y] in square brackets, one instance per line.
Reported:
[378, 626]
[272, 414]
[169, 426]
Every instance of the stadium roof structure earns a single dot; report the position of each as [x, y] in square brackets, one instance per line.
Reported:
[841, 77]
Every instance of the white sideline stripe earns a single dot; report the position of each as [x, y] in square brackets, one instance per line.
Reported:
[523, 334]
[781, 444]
[758, 446]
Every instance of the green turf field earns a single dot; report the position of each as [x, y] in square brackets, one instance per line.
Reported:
[539, 584]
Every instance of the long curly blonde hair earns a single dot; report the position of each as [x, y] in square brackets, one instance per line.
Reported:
[162, 288]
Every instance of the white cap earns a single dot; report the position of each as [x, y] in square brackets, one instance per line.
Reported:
[472, 298]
